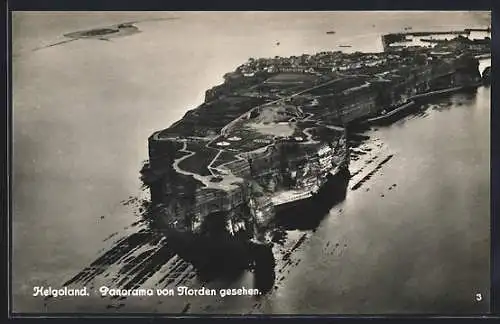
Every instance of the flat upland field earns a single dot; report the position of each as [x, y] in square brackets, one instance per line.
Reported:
[198, 162]
[224, 157]
[292, 78]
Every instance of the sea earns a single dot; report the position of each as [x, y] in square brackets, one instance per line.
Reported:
[412, 237]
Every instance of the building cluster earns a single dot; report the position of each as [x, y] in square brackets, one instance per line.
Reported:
[333, 63]
[317, 63]
[369, 63]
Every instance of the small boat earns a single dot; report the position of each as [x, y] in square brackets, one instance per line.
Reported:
[387, 117]
[331, 32]
[345, 46]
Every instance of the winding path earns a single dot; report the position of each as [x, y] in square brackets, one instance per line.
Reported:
[227, 177]
[227, 180]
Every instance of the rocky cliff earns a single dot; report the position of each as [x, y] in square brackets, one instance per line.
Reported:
[262, 137]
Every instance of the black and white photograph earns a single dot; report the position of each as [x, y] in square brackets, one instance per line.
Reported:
[250, 162]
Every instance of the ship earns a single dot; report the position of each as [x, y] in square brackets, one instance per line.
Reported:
[330, 32]
[391, 114]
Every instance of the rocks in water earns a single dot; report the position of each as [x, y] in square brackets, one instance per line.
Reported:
[486, 76]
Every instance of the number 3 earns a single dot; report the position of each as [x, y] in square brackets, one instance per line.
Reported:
[479, 297]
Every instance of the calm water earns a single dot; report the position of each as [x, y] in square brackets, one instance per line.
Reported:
[83, 112]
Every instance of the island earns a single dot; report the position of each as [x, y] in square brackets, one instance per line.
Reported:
[275, 135]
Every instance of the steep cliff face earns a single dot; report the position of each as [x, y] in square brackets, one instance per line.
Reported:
[289, 165]
[188, 205]
[486, 77]
[226, 164]
[195, 209]
[243, 207]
